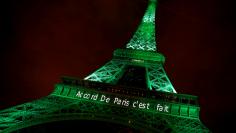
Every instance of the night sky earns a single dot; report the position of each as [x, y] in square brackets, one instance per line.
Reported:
[42, 40]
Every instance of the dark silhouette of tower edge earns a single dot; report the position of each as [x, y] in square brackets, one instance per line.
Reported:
[131, 92]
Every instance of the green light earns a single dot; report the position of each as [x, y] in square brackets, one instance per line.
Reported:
[144, 38]
[98, 97]
[141, 51]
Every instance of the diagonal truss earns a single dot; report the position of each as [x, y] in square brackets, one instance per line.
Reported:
[63, 104]
[142, 48]
[158, 80]
[19, 116]
[144, 37]
[109, 73]
[156, 77]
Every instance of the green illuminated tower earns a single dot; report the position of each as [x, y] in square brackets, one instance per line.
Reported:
[131, 90]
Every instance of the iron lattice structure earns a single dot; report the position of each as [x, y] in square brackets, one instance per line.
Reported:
[99, 96]
[65, 104]
[156, 77]
[144, 38]
[140, 50]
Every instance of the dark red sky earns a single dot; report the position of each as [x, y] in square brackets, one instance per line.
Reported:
[44, 40]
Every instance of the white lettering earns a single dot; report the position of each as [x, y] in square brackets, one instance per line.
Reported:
[104, 98]
[159, 107]
[94, 97]
[123, 102]
[166, 109]
[148, 105]
[79, 94]
[141, 105]
[86, 96]
[135, 104]
[117, 101]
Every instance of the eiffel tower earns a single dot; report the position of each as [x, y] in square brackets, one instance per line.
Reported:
[131, 90]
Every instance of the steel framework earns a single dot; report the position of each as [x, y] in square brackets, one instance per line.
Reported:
[64, 104]
[98, 96]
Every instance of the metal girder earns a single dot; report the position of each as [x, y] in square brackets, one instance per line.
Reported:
[57, 108]
[109, 73]
[183, 125]
[62, 104]
[139, 55]
[157, 79]
[144, 38]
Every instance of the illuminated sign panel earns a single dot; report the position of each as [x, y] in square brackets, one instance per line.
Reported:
[116, 97]
[118, 100]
